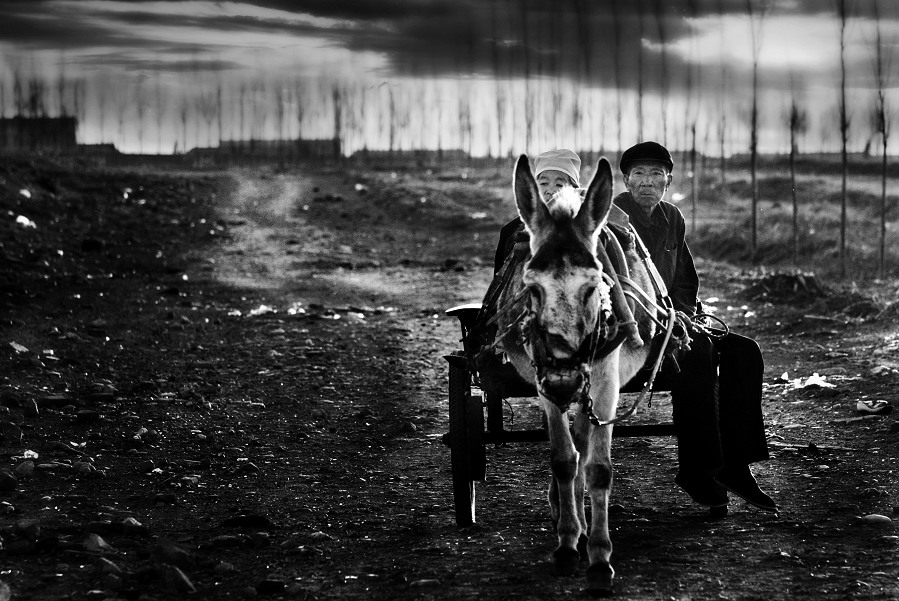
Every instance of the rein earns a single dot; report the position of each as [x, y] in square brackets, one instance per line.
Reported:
[613, 337]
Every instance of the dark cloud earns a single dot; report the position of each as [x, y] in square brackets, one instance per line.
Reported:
[610, 43]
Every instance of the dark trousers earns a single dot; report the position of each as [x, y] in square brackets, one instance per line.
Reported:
[717, 402]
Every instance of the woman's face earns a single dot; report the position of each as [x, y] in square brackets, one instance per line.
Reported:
[551, 181]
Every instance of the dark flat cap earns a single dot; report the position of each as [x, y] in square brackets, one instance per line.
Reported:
[645, 151]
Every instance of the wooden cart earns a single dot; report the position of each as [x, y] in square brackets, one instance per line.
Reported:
[470, 430]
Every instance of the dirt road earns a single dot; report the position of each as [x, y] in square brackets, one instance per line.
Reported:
[264, 394]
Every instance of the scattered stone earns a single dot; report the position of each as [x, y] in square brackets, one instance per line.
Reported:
[8, 482]
[95, 543]
[61, 446]
[112, 581]
[83, 468]
[108, 567]
[53, 466]
[30, 408]
[876, 519]
[165, 498]
[10, 398]
[25, 469]
[30, 529]
[170, 553]
[248, 468]
[250, 520]
[260, 539]
[10, 433]
[87, 416]
[19, 546]
[225, 568]
[270, 586]
[132, 526]
[94, 398]
[176, 579]
[228, 540]
[56, 401]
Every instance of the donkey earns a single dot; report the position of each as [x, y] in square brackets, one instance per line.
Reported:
[566, 344]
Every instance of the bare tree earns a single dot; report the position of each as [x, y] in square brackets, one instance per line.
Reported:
[391, 144]
[797, 120]
[756, 16]
[102, 104]
[243, 97]
[140, 106]
[218, 110]
[843, 12]
[122, 103]
[337, 99]
[301, 107]
[160, 112]
[183, 110]
[663, 77]
[881, 118]
[690, 117]
[529, 105]
[499, 97]
[722, 104]
[617, 26]
[36, 101]
[61, 85]
[640, 61]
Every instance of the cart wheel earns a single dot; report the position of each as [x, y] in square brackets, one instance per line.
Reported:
[463, 438]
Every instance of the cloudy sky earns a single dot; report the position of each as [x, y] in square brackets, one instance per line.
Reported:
[489, 76]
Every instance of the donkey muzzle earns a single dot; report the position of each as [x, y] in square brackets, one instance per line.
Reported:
[561, 386]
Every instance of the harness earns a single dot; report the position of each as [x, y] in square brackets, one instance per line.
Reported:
[615, 322]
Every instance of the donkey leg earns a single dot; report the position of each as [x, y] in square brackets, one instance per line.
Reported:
[563, 460]
[581, 434]
[598, 472]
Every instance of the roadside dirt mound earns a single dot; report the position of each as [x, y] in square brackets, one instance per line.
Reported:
[791, 288]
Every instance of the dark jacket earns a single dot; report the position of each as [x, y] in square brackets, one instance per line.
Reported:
[663, 233]
[663, 236]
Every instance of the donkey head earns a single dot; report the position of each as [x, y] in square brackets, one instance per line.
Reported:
[563, 277]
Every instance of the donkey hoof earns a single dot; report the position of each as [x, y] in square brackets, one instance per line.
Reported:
[599, 580]
[565, 562]
[582, 546]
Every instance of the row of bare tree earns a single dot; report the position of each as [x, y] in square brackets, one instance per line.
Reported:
[532, 102]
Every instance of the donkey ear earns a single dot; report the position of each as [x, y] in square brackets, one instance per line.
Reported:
[597, 200]
[527, 194]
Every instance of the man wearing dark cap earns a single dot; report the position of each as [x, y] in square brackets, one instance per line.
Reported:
[719, 434]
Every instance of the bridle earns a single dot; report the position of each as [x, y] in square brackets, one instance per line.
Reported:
[601, 340]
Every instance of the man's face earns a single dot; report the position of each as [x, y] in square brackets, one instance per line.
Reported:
[551, 181]
[647, 182]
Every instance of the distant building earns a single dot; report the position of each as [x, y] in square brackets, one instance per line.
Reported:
[53, 134]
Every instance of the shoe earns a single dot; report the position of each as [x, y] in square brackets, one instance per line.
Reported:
[701, 487]
[739, 480]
